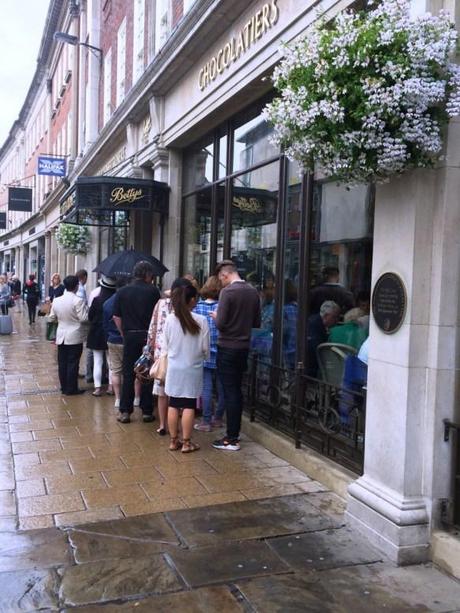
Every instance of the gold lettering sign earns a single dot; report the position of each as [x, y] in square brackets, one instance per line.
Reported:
[120, 195]
[248, 205]
[255, 28]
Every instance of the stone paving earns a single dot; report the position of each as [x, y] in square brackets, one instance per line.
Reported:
[121, 524]
[66, 460]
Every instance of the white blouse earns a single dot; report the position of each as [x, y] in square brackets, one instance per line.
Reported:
[186, 353]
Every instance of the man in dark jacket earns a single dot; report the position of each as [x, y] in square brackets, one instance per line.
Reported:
[132, 312]
[238, 312]
[331, 289]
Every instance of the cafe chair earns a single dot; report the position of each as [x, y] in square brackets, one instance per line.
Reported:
[331, 361]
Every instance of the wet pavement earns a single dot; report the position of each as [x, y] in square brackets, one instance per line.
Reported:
[99, 515]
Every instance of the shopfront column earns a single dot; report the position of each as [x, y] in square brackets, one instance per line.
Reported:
[411, 380]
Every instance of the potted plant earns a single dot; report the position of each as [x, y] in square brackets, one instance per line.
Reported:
[74, 239]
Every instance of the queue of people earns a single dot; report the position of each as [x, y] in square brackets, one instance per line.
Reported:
[206, 335]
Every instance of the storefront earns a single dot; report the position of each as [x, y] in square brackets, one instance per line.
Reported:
[111, 206]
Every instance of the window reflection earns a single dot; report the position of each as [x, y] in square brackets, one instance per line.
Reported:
[253, 242]
[198, 167]
[251, 144]
[197, 239]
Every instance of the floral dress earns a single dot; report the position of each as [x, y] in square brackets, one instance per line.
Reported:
[157, 324]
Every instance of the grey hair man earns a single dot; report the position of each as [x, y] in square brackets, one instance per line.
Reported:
[318, 330]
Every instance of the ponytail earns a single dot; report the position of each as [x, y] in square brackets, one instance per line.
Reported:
[180, 299]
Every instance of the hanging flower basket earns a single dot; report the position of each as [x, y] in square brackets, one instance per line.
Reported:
[367, 95]
[74, 239]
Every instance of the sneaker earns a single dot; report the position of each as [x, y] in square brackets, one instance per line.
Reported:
[226, 444]
[217, 423]
[124, 418]
[148, 418]
[137, 402]
[117, 404]
[203, 426]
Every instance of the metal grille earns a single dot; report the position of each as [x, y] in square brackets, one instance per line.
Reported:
[329, 419]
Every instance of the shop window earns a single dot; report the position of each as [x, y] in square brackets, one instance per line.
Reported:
[342, 234]
[222, 170]
[251, 143]
[254, 241]
[198, 167]
[197, 239]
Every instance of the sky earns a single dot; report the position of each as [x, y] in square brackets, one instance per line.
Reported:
[21, 29]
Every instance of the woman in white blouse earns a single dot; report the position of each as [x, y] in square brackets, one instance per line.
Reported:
[186, 343]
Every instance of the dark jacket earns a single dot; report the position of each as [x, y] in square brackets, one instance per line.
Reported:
[110, 329]
[331, 291]
[31, 292]
[55, 292]
[316, 334]
[96, 336]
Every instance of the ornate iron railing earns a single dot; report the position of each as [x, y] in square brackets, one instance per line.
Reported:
[327, 418]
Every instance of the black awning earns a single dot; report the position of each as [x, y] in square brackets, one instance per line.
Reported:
[106, 201]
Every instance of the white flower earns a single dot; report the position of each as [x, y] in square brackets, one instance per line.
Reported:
[367, 96]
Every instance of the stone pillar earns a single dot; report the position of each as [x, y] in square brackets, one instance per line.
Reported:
[411, 380]
[94, 60]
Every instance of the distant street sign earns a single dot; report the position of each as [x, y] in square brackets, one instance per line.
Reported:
[51, 166]
[20, 199]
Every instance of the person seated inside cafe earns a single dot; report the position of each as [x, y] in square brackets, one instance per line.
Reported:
[318, 326]
[353, 331]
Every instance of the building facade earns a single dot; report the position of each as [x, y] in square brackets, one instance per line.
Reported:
[169, 95]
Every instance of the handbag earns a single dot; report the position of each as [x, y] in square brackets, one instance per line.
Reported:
[142, 367]
[10, 303]
[44, 309]
[51, 329]
[159, 368]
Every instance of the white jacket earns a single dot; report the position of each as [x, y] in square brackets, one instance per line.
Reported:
[69, 311]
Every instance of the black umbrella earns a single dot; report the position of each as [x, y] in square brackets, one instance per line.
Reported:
[121, 264]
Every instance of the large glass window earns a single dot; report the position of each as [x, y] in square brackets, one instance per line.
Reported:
[244, 200]
[197, 234]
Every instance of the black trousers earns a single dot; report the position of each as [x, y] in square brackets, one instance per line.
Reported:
[68, 359]
[133, 343]
[32, 308]
[231, 365]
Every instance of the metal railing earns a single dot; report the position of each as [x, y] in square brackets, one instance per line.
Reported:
[312, 412]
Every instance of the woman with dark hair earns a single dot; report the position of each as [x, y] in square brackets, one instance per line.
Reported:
[32, 296]
[97, 339]
[155, 341]
[186, 343]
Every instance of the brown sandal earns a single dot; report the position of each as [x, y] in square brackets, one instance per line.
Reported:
[175, 444]
[188, 446]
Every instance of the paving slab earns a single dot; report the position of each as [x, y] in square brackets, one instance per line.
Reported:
[379, 587]
[121, 540]
[325, 549]
[226, 562]
[34, 549]
[202, 600]
[252, 519]
[32, 590]
[115, 579]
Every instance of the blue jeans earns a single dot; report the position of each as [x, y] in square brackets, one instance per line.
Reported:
[208, 376]
[231, 365]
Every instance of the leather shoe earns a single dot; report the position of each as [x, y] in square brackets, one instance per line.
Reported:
[76, 393]
[124, 418]
[148, 418]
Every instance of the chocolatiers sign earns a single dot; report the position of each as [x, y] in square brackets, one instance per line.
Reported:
[257, 25]
[389, 302]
